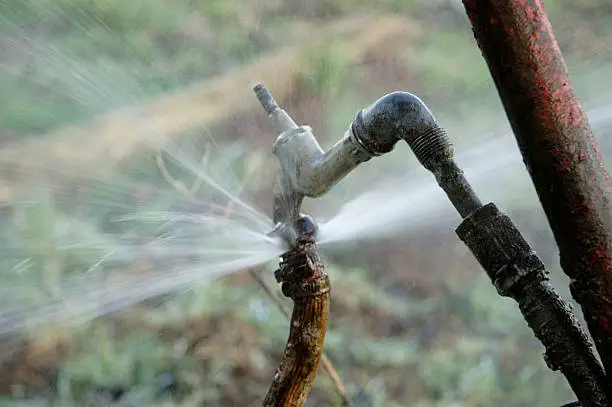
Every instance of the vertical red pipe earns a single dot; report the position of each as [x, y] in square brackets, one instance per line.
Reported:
[558, 148]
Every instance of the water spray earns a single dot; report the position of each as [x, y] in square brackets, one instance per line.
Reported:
[512, 265]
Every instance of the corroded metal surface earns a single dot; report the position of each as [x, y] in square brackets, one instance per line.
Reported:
[559, 150]
[517, 272]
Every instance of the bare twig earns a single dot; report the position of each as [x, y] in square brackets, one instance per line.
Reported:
[179, 186]
[243, 182]
[304, 281]
[327, 364]
[198, 181]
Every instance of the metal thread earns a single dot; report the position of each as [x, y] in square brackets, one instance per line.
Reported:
[431, 146]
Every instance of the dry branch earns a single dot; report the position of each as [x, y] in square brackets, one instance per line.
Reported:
[325, 361]
[304, 281]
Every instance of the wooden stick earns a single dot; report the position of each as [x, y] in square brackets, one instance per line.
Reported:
[304, 281]
[325, 361]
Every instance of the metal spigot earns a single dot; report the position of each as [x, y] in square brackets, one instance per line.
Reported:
[307, 170]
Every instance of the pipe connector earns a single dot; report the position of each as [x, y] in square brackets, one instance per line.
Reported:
[402, 116]
[311, 170]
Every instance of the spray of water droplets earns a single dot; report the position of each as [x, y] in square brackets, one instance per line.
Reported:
[96, 232]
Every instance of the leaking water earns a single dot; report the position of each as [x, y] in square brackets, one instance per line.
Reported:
[88, 268]
[80, 242]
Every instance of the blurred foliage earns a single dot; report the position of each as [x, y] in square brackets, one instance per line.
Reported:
[63, 56]
[326, 72]
[458, 343]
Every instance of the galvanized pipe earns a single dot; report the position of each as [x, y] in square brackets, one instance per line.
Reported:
[558, 148]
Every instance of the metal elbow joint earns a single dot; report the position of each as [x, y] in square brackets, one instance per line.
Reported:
[402, 116]
[312, 171]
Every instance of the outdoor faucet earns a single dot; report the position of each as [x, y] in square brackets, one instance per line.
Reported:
[513, 266]
[307, 170]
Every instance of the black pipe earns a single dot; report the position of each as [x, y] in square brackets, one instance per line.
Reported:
[517, 272]
[513, 266]
[396, 116]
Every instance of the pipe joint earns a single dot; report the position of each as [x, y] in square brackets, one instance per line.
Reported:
[397, 116]
[310, 170]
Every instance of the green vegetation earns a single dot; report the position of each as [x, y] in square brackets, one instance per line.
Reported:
[409, 325]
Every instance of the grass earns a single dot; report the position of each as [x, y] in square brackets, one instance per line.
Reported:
[405, 329]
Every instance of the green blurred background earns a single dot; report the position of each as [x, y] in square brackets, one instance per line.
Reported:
[414, 320]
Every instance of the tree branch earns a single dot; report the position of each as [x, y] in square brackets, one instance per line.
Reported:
[304, 281]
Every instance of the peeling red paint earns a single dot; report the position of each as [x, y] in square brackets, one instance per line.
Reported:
[531, 13]
[559, 150]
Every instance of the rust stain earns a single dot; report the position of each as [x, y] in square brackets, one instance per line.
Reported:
[559, 150]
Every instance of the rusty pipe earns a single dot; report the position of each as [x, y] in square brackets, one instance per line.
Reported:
[562, 156]
[513, 266]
